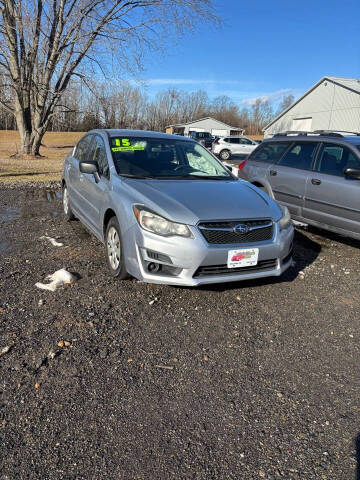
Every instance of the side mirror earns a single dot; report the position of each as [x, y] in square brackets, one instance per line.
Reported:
[352, 173]
[88, 167]
[91, 168]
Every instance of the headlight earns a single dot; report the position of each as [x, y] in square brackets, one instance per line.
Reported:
[285, 220]
[154, 223]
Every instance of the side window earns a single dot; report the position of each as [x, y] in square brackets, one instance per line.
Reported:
[235, 141]
[227, 140]
[245, 141]
[269, 152]
[352, 162]
[82, 148]
[301, 156]
[97, 154]
[334, 159]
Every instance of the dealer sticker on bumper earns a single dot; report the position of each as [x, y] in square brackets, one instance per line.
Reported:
[245, 257]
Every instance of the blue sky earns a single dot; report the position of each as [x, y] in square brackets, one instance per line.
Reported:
[263, 49]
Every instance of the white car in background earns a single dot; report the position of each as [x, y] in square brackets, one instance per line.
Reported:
[226, 147]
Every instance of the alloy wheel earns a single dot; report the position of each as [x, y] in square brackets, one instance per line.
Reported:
[113, 248]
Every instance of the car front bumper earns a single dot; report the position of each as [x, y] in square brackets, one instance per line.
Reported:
[181, 259]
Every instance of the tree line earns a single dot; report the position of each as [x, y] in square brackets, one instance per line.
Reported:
[124, 105]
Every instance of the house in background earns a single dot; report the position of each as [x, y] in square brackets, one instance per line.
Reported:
[333, 103]
[207, 124]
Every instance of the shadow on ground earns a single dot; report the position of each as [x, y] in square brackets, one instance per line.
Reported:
[335, 237]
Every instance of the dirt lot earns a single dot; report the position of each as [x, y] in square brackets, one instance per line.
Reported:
[255, 380]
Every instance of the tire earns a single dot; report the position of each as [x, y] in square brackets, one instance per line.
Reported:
[225, 154]
[68, 213]
[114, 250]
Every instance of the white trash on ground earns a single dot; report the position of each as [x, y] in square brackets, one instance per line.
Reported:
[57, 279]
[52, 241]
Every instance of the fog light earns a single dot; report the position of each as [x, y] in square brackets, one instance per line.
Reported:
[154, 267]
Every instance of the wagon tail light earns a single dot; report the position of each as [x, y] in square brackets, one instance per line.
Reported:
[216, 142]
[242, 164]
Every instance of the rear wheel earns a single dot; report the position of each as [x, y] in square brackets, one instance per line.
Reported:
[68, 213]
[114, 250]
[225, 154]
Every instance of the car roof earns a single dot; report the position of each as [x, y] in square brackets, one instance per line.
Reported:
[353, 139]
[112, 132]
[235, 136]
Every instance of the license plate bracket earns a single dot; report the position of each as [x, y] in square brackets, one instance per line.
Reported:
[242, 257]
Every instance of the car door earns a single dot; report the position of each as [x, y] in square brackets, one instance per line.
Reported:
[258, 165]
[234, 145]
[288, 177]
[73, 180]
[95, 190]
[246, 146]
[332, 199]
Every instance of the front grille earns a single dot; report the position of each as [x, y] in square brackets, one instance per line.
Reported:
[212, 270]
[222, 232]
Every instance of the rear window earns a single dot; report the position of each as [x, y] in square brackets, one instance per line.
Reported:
[301, 155]
[203, 135]
[269, 152]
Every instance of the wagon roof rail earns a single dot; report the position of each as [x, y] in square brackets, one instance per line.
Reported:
[327, 133]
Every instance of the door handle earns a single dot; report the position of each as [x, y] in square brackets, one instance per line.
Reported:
[315, 181]
[273, 173]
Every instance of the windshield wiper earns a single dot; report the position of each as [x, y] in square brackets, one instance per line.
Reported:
[203, 177]
[127, 175]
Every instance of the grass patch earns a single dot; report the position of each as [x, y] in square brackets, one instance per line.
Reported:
[47, 168]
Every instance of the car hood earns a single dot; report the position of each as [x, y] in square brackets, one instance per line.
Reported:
[189, 201]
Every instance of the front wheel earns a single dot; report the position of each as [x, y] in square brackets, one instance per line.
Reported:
[224, 154]
[68, 213]
[114, 250]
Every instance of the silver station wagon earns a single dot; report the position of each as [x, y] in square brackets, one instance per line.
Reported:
[169, 212]
[315, 174]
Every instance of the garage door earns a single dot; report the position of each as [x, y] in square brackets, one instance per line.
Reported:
[219, 133]
[302, 124]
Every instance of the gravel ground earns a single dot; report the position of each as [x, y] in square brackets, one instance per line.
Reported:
[123, 380]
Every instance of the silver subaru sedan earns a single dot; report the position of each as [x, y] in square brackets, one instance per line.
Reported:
[169, 212]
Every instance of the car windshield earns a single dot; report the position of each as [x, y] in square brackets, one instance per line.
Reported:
[165, 159]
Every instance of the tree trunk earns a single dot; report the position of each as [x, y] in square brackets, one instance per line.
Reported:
[36, 142]
[25, 137]
[30, 134]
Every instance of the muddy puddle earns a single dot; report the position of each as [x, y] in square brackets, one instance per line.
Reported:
[4, 246]
[32, 203]
[42, 202]
[8, 214]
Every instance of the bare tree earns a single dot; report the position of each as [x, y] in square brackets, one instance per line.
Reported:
[285, 103]
[261, 112]
[46, 43]
[225, 110]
